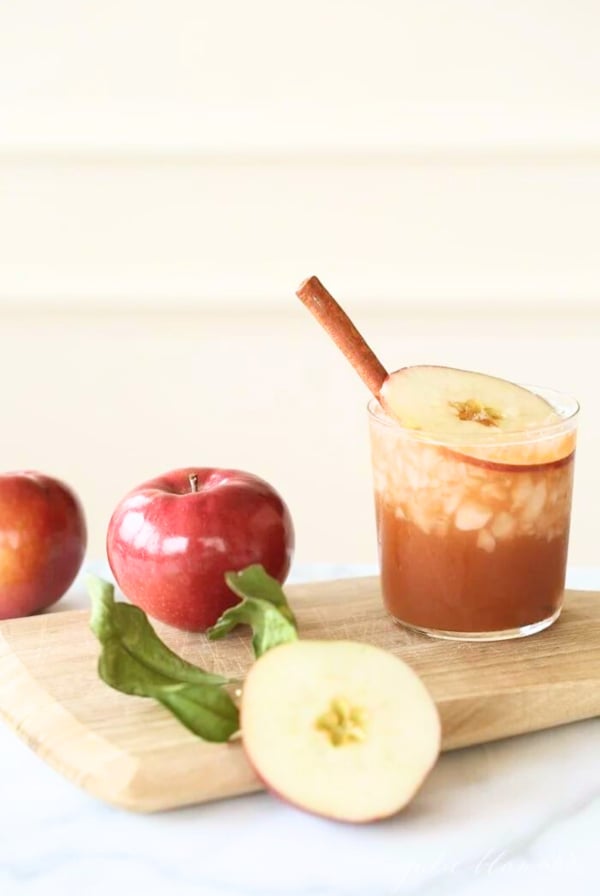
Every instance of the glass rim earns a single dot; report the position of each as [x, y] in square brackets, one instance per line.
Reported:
[563, 404]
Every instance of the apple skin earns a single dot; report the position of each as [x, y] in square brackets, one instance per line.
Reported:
[505, 467]
[42, 541]
[169, 547]
[331, 817]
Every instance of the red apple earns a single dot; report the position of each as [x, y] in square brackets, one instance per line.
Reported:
[171, 540]
[42, 541]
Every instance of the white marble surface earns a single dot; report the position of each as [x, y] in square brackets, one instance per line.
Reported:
[508, 818]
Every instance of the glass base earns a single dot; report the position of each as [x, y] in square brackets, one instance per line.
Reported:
[506, 634]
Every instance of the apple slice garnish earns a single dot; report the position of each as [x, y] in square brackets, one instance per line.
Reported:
[461, 405]
[338, 728]
[482, 418]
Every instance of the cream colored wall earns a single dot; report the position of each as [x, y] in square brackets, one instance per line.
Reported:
[107, 400]
[170, 171]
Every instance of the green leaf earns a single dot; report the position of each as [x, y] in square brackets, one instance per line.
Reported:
[264, 608]
[254, 581]
[135, 661]
[128, 626]
[208, 712]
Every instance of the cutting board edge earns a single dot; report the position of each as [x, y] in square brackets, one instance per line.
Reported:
[129, 770]
[579, 701]
[44, 708]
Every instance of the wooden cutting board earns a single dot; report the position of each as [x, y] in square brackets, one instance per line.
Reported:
[131, 752]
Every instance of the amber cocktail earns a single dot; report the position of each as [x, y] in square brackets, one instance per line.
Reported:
[473, 537]
[473, 484]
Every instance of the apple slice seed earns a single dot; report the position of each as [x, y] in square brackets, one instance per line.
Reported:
[343, 723]
[474, 410]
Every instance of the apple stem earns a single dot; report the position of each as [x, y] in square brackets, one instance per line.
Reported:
[193, 478]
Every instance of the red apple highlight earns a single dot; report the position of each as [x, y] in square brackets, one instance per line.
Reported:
[42, 541]
[171, 540]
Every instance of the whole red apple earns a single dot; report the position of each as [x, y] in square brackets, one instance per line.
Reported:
[171, 540]
[42, 541]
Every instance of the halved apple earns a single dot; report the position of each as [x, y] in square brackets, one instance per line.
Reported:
[483, 417]
[339, 728]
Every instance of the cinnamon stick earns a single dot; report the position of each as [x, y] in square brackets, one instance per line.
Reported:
[336, 322]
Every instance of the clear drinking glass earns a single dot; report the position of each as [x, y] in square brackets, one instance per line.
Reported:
[473, 537]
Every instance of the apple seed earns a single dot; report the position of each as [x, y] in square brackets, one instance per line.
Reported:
[345, 724]
[473, 410]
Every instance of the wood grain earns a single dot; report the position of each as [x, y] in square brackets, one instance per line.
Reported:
[132, 753]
